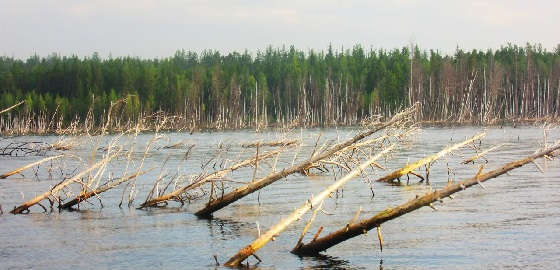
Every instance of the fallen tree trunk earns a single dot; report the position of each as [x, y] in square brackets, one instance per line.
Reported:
[221, 173]
[411, 167]
[18, 170]
[245, 190]
[57, 188]
[111, 184]
[298, 213]
[353, 230]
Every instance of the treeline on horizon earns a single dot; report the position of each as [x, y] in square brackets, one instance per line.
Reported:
[287, 85]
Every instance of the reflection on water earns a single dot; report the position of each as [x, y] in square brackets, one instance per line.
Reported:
[514, 223]
[226, 229]
[322, 261]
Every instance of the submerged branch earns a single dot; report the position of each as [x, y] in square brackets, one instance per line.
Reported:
[107, 186]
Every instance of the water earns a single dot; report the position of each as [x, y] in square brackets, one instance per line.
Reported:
[514, 223]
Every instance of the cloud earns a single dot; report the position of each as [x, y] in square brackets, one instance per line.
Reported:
[157, 28]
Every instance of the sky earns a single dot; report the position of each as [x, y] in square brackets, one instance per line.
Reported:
[150, 28]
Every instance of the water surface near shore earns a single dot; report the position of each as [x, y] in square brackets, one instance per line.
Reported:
[513, 223]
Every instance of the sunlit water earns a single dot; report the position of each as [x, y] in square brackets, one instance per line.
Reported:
[513, 223]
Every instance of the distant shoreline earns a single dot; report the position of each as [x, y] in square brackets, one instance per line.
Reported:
[80, 129]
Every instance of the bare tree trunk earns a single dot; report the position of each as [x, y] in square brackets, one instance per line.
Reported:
[18, 170]
[11, 107]
[411, 167]
[243, 191]
[57, 188]
[365, 225]
[298, 213]
[178, 192]
[84, 196]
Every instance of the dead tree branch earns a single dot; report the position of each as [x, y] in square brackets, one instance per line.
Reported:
[353, 230]
[61, 185]
[11, 107]
[298, 213]
[411, 167]
[481, 154]
[243, 191]
[18, 170]
[217, 174]
[107, 186]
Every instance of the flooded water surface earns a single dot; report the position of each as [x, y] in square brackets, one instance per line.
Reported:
[513, 223]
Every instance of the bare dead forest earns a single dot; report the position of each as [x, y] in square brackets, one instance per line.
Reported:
[214, 188]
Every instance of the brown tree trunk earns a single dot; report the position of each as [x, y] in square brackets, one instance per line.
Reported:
[365, 225]
[84, 196]
[57, 188]
[243, 191]
[178, 192]
[298, 213]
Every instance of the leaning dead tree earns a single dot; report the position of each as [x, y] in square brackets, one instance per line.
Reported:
[11, 107]
[427, 160]
[275, 230]
[363, 226]
[25, 206]
[245, 190]
[31, 165]
[176, 194]
[107, 186]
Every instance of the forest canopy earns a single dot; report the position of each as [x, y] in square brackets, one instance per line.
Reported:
[280, 85]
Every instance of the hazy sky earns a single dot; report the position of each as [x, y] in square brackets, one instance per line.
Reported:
[158, 28]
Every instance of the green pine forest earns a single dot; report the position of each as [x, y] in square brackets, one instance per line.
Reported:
[287, 85]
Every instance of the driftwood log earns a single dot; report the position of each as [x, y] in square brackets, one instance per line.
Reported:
[411, 167]
[245, 190]
[353, 230]
[275, 230]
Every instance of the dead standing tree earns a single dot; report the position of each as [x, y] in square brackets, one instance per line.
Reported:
[363, 226]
